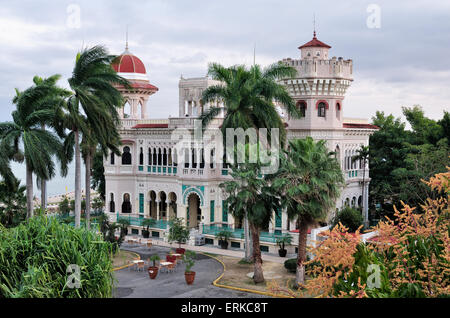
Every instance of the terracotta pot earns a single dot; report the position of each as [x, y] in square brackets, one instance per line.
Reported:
[189, 276]
[180, 250]
[152, 272]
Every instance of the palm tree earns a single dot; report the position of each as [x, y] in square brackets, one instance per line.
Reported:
[92, 83]
[363, 156]
[248, 96]
[12, 203]
[250, 195]
[34, 107]
[309, 181]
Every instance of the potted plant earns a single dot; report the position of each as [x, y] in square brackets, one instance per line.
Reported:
[188, 259]
[281, 242]
[146, 224]
[153, 270]
[178, 232]
[124, 224]
[224, 237]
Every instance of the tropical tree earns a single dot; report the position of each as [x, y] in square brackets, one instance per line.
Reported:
[13, 203]
[362, 155]
[309, 181]
[64, 206]
[248, 96]
[34, 107]
[249, 194]
[92, 83]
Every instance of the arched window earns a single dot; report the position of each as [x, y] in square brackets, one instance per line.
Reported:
[353, 202]
[338, 110]
[126, 205]
[141, 157]
[112, 205]
[126, 110]
[360, 201]
[149, 156]
[112, 158]
[302, 107]
[321, 109]
[126, 156]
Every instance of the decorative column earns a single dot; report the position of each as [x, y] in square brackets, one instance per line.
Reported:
[157, 209]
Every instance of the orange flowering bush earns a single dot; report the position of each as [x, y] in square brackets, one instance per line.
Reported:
[411, 254]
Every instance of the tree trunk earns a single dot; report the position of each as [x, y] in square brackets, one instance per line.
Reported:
[77, 180]
[365, 209]
[29, 186]
[258, 276]
[301, 254]
[248, 249]
[43, 189]
[43, 194]
[88, 189]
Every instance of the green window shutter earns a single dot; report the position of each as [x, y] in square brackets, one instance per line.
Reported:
[141, 203]
[224, 212]
[211, 215]
[278, 222]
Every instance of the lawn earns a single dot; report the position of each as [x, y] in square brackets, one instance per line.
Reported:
[238, 274]
[123, 258]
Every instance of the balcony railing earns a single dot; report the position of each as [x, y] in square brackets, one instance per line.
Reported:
[264, 236]
[137, 221]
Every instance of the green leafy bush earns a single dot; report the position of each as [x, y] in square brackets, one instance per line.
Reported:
[349, 217]
[35, 256]
[291, 265]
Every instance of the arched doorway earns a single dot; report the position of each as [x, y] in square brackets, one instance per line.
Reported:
[194, 213]
[152, 204]
[162, 205]
[172, 213]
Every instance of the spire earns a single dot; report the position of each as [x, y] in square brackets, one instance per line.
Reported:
[126, 42]
[314, 25]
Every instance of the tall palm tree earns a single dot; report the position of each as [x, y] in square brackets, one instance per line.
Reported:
[34, 107]
[250, 195]
[248, 96]
[92, 83]
[362, 155]
[309, 181]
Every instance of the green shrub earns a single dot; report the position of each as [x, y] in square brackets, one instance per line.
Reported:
[291, 265]
[35, 256]
[349, 217]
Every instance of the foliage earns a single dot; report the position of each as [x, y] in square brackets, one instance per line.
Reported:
[147, 223]
[224, 235]
[24, 136]
[283, 240]
[64, 206]
[189, 260]
[249, 96]
[291, 265]
[413, 254]
[178, 232]
[309, 181]
[349, 217]
[401, 158]
[108, 230]
[98, 204]
[12, 203]
[154, 258]
[98, 174]
[34, 257]
[124, 224]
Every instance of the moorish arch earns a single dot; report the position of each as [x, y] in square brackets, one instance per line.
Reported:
[193, 210]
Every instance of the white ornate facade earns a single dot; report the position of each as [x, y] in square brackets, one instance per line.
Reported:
[147, 182]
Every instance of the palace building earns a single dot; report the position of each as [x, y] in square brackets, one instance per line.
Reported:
[147, 182]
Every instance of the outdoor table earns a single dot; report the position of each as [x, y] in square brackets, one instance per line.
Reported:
[137, 261]
[165, 264]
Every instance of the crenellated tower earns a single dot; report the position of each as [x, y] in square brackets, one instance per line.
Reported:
[319, 87]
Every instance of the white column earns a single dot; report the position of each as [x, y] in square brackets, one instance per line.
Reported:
[157, 210]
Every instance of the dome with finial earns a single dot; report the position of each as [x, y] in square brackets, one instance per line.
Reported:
[315, 43]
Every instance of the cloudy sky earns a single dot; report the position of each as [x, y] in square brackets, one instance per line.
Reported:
[404, 61]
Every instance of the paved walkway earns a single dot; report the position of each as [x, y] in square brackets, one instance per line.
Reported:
[137, 284]
[238, 253]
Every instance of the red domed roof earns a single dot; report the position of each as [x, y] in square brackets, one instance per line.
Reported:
[314, 43]
[128, 63]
